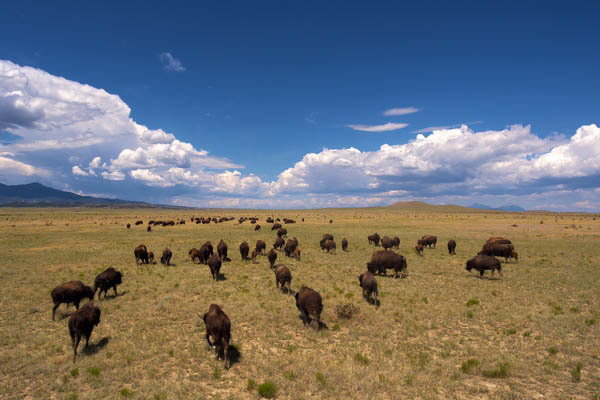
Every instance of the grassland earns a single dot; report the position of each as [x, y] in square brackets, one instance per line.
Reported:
[440, 333]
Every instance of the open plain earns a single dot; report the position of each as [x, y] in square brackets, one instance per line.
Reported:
[439, 333]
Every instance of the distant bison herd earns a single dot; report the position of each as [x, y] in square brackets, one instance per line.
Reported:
[308, 301]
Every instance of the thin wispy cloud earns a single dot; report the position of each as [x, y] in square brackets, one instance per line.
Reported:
[171, 63]
[390, 126]
[441, 127]
[401, 111]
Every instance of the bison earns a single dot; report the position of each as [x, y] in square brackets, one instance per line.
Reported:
[396, 242]
[419, 249]
[374, 238]
[281, 232]
[149, 229]
[107, 279]
[310, 305]
[244, 249]
[499, 250]
[151, 257]
[218, 327]
[279, 243]
[209, 246]
[141, 254]
[383, 260]
[451, 246]
[260, 246]
[257, 227]
[368, 283]
[290, 246]
[275, 226]
[327, 236]
[498, 240]
[70, 292]
[482, 263]
[344, 244]
[128, 226]
[328, 245]
[428, 240]
[214, 263]
[253, 256]
[222, 250]
[386, 243]
[296, 253]
[283, 278]
[139, 222]
[272, 256]
[515, 256]
[81, 323]
[165, 259]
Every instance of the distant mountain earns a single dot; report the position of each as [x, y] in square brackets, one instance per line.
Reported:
[36, 194]
[422, 206]
[510, 207]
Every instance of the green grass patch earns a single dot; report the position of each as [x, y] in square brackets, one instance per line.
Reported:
[472, 302]
[501, 370]
[576, 372]
[469, 365]
[94, 371]
[267, 389]
[361, 359]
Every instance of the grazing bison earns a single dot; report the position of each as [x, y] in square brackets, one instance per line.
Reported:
[281, 232]
[261, 246]
[214, 262]
[244, 249]
[81, 323]
[270, 220]
[279, 243]
[149, 229]
[328, 245]
[515, 256]
[257, 227]
[419, 249]
[253, 256]
[218, 327]
[141, 254]
[110, 278]
[209, 246]
[283, 278]
[128, 226]
[331, 221]
[499, 250]
[195, 255]
[327, 236]
[151, 257]
[139, 222]
[374, 238]
[310, 305]
[290, 246]
[428, 240]
[222, 250]
[272, 256]
[383, 260]
[344, 244]
[275, 226]
[296, 253]
[482, 263]
[386, 243]
[70, 292]
[498, 240]
[451, 246]
[396, 242]
[368, 283]
[165, 259]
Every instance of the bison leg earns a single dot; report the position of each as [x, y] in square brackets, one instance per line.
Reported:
[481, 274]
[226, 361]
[75, 343]
[54, 310]
[76, 303]
[314, 323]
[208, 339]
[289, 288]
[115, 289]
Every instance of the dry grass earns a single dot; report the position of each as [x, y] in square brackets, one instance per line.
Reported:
[440, 333]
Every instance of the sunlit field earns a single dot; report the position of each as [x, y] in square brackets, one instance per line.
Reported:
[439, 333]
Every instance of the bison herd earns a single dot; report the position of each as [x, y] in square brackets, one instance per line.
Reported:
[308, 301]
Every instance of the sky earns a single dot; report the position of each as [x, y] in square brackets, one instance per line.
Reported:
[280, 104]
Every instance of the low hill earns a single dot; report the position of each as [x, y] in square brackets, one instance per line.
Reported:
[425, 207]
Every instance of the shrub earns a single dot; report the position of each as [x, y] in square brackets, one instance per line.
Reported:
[576, 372]
[469, 365]
[267, 389]
[75, 372]
[94, 371]
[251, 384]
[346, 311]
[590, 321]
[552, 350]
[501, 371]
[125, 392]
[472, 302]
[291, 375]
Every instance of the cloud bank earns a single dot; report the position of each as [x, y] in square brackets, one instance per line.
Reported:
[69, 134]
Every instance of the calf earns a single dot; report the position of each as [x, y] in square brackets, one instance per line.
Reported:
[165, 259]
[283, 278]
[214, 263]
[368, 283]
[272, 256]
[344, 244]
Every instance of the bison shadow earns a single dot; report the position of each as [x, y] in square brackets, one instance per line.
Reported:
[94, 348]
[221, 277]
[487, 277]
[113, 296]
[322, 325]
[372, 301]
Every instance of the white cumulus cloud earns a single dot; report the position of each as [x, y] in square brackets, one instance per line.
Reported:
[389, 126]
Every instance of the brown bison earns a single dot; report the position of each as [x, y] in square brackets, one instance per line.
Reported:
[296, 253]
[368, 283]
[419, 249]
[70, 292]
[515, 256]
[195, 255]
[344, 244]
[328, 245]
[374, 238]
[283, 278]
[257, 227]
[261, 246]
[275, 226]
[396, 242]
[204, 253]
[218, 327]
[253, 256]
[499, 250]
[383, 260]
[141, 254]
[428, 240]
[498, 240]
[327, 236]
[482, 263]
[128, 226]
[386, 243]
[139, 222]
[165, 259]
[272, 256]
[310, 305]
[209, 246]
[107, 279]
[451, 246]
[222, 250]
[244, 249]
[151, 257]
[149, 229]
[290, 246]
[214, 263]
[281, 232]
[279, 243]
[81, 323]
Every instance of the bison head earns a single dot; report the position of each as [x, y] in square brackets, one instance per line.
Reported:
[88, 292]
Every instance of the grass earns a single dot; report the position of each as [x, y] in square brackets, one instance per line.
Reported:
[469, 365]
[151, 338]
[576, 372]
[267, 389]
[472, 302]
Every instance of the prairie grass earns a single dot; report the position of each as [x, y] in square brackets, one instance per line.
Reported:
[150, 342]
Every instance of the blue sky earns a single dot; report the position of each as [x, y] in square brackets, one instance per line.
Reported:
[255, 88]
